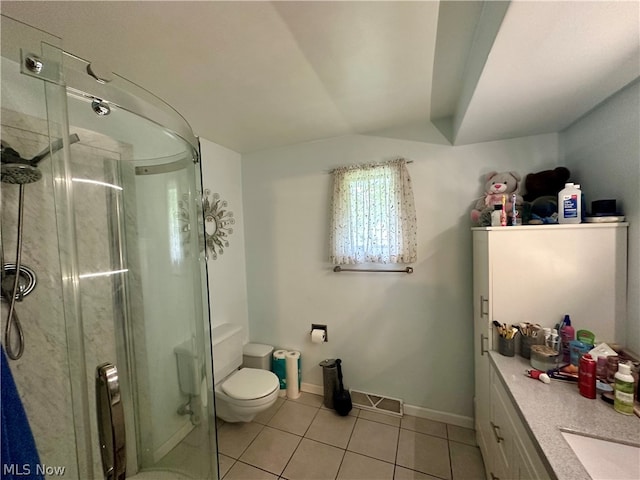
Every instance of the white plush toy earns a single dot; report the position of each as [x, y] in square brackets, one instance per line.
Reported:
[496, 186]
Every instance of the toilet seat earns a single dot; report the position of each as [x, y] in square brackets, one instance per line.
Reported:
[250, 383]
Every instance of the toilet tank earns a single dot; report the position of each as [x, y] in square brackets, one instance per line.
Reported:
[227, 350]
[189, 364]
[257, 355]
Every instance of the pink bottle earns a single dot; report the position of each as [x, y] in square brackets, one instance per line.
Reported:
[567, 333]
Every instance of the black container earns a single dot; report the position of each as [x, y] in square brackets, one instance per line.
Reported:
[329, 380]
[507, 346]
[526, 342]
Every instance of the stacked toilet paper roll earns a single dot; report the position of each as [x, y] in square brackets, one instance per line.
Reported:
[279, 367]
[293, 374]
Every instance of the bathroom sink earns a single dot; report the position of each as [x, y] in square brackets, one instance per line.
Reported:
[605, 459]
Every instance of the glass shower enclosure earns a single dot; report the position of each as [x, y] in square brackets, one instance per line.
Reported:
[114, 371]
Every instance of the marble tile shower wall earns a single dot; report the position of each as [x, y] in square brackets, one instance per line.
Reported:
[42, 374]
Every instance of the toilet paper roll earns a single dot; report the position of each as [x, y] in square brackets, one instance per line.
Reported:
[279, 367]
[317, 336]
[293, 374]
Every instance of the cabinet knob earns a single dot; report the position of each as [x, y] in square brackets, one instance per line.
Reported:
[483, 302]
[482, 339]
[496, 428]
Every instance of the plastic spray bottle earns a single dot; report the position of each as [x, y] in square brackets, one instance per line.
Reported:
[567, 333]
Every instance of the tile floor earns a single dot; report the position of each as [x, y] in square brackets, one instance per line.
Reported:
[302, 440]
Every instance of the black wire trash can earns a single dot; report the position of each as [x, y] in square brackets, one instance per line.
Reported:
[329, 380]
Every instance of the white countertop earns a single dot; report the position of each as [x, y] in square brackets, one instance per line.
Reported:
[546, 408]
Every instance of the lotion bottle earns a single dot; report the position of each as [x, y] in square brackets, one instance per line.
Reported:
[623, 390]
[570, 204]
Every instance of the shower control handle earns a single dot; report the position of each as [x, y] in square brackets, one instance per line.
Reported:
[110, 422]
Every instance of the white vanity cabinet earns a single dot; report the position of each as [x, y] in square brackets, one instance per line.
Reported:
[481, 344]
[514, 455]
[537, 274]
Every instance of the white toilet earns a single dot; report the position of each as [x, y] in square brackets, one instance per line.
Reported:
[241, 394]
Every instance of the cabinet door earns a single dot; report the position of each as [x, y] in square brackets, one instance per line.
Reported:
[481, 342]
[515, 457]
[527, 467]
[538, 275]
[527, 464]
[501, 425]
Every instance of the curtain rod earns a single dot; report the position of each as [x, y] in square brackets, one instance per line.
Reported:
[339, 269]
[363, 164]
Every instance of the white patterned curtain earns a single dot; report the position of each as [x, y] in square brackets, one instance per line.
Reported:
[373, 215]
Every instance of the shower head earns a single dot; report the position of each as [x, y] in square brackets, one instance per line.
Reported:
[18, 170]
[19, 173]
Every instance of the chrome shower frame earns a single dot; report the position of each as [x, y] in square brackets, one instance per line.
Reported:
[65, 79]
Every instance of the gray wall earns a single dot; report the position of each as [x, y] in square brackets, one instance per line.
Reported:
[399, 335]
[602, 150]
[221, 174]
[404, 336]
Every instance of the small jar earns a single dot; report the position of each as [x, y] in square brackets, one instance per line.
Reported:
[612, 367]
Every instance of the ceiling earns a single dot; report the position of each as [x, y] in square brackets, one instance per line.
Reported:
[256, 75]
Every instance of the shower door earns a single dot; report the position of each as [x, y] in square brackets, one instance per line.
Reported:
[124, 227]
[42, 372]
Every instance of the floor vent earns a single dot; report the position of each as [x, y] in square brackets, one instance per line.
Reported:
[376, 403]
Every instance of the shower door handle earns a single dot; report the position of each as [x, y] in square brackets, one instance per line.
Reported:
[110, 422]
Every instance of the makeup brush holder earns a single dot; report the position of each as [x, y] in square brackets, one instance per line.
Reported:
[526, 342]
[507, 346]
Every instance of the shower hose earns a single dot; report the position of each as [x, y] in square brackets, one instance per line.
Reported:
[13, 322]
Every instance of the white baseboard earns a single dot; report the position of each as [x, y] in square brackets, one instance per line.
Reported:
[438, 416]
[421, 412]
[311, 388]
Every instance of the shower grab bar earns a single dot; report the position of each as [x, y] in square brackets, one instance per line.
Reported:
[339, 269]
[110, 422]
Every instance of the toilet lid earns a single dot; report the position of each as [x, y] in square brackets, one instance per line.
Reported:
[250, 383]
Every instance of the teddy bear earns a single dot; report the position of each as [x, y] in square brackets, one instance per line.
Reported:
[545, 184]
[541, 193]
[496, 186]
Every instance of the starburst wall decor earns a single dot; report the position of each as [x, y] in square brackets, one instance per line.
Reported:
[217, 221]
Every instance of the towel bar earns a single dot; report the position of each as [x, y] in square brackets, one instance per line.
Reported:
[339, 269]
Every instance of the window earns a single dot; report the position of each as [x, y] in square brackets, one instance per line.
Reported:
[373, 215]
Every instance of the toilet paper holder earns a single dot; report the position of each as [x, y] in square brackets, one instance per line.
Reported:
[317, 326]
